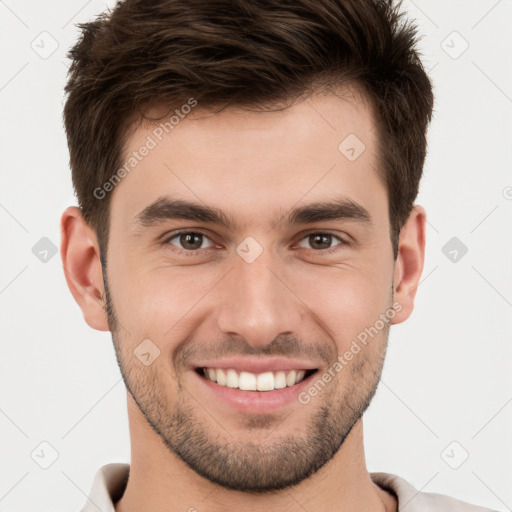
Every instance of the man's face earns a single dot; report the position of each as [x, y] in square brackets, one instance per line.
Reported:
[264, 289]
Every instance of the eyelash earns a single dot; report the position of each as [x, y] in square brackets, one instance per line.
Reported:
[197, 251]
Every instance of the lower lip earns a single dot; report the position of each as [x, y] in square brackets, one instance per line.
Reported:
[256, 401]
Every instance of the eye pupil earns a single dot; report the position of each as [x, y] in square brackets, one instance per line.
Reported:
[319, 239]
[192, 241]
[188, 238]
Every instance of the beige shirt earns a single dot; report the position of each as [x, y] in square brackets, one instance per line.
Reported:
[110, 482]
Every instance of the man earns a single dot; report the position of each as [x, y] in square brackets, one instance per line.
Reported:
[246, 173]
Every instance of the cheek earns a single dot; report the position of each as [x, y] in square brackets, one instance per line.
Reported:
[153, 300]
[348, 300]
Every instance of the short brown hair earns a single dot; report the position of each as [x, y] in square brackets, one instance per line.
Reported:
[243, 53]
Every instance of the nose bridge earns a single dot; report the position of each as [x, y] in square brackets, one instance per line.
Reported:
[256, 304]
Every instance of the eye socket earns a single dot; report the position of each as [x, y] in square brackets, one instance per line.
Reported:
[190, 238]
[322, 238]
[193, 241]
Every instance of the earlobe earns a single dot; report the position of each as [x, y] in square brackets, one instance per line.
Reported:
[409, 263]
[82, 267]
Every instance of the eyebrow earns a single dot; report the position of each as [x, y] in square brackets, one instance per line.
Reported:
[166, 208]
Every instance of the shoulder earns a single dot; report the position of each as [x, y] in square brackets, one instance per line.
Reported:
[418, 501]
[108, 486]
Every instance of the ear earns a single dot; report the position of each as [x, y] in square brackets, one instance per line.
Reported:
[409, 263]
[80, 255]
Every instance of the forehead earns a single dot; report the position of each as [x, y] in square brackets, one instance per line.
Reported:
[255, 165]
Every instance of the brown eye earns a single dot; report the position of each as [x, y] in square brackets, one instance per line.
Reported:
[320, 241]
[189, 240]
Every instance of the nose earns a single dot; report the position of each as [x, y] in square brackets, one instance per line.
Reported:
[258, 303]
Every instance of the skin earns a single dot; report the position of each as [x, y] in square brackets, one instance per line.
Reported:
[189, 449]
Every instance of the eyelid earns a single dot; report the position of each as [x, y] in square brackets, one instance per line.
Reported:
[168, 237]
[324, 232]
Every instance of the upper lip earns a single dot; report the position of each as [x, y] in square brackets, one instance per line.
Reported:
[258, 365]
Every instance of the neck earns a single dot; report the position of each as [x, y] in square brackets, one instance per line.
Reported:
[159, 480]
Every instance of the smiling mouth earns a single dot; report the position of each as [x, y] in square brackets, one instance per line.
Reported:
[247, 381]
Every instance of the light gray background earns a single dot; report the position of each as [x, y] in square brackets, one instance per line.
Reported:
[448, 373]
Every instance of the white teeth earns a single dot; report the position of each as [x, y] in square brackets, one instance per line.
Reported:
[265, 381]
[290, 379]
[280, 380]
[221, 377]
[248, 381]
[232, 379]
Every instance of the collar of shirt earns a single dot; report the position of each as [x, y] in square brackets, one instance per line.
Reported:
[110, 482]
